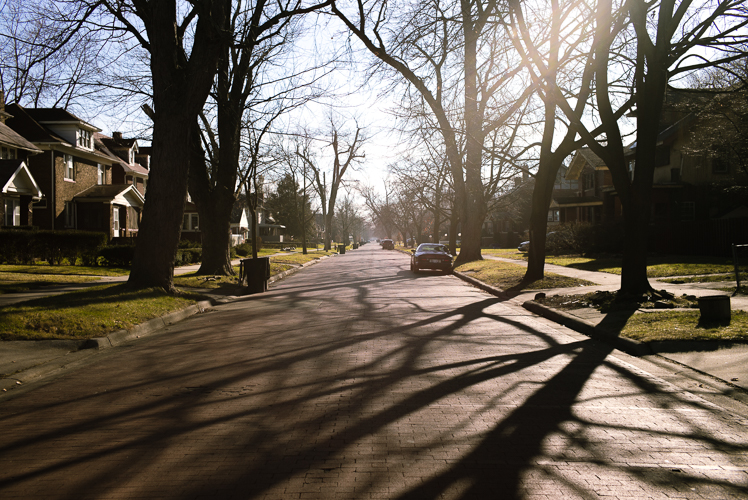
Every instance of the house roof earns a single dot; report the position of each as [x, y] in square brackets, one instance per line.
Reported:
[57, 115]
[119, 194]
[103, 144]
[15, 178]
[12, 138]
[583, 157]
[25, 125]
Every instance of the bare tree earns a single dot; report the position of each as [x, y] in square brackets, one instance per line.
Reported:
[263, 31]
[443, 50]
[347, 151]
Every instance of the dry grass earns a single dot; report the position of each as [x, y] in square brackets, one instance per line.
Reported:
[505, 275]
[93, 312]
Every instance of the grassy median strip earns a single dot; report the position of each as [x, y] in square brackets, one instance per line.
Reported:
[299, 258]
[658, 266]
[15, 282]
[93, 312]
[505, 275]
[683, 325]
[46, 269]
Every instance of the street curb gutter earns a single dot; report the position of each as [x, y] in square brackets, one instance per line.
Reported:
[147, 328]
[629, 346]
[486, 288]
[81, 350]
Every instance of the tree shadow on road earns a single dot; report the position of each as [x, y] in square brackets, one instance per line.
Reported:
[371, 388]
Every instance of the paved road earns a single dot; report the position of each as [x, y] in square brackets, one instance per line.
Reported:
[358, 379]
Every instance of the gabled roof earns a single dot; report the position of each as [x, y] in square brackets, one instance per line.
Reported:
[57, 115]
[26, 126]
[15, 178]
[14, 139]
[103, 143]
[583, 157]
[119, 194]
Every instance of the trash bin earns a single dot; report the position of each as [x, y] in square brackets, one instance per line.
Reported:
[341, 249]
[254, 274]
[355, 246]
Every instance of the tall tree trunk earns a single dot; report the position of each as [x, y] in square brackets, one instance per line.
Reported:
[180, 87]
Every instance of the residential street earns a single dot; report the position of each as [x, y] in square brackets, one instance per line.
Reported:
[356, 378]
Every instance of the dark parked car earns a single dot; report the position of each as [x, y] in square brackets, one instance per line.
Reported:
[431, 256]
[525, 245]
[388, 245]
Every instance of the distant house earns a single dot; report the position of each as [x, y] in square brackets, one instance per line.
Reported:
[75, 171]
[685, 181]
[579, 190]
[18, 188]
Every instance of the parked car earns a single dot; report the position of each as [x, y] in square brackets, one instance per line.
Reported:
[431, 256]
[525, 245]
[388, 244]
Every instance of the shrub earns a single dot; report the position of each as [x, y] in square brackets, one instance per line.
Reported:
[584, 238]
[52, 246]
[186, 256]
[116, 255]
[243, 250]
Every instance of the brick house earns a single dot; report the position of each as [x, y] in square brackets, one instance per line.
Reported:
[686, 212]
[18, 188]
[75, 172]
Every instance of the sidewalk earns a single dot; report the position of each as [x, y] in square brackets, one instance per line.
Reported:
[726, 361]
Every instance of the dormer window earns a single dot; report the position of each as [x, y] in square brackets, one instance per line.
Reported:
[84, 139]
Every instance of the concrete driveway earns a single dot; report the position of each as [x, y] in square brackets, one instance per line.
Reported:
[357, 379]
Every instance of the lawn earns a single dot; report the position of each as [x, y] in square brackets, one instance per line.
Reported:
[660, 266]
[678, 325]
[505, 275]
[93, 312]
[19, 282]
[64, 270]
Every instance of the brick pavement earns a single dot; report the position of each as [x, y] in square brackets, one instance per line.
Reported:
[357, 379]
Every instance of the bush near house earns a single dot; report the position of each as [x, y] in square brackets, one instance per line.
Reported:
[26, 247]
[584, 238]
[116, 255]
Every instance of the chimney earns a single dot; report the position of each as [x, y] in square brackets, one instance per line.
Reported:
[117, 136]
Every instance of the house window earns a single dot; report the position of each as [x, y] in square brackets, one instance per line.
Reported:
[12, 212]
[674, 175]
[100, 174]
[190, 222]
[69, 168]
[115, 218]
[128, 179]
[83, 139]
[720, 166]
[632, 167]
[69, 214]
[554, 215]
[589, 181]
[688, 210]
[7, 153]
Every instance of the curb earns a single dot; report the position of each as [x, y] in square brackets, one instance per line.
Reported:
[629, 346]
[145, 329]
[486, 288]
[81, 350]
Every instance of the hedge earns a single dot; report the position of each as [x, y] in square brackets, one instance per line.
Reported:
[26, 247]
